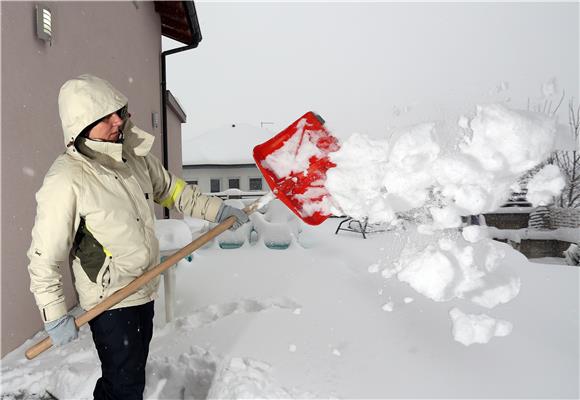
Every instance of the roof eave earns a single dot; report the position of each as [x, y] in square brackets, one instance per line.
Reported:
[179, 21]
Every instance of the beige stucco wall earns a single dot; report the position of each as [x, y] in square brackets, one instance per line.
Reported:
[119, 41]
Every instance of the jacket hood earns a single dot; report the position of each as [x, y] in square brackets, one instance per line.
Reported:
[136, 141]
[84, 100]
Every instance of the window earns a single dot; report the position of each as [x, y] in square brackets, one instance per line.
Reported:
[234, 183]
[192, 182]
[214, 185]
[255, 183]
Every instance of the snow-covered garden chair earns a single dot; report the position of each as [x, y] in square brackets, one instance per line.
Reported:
[277, 228]
[234, 239]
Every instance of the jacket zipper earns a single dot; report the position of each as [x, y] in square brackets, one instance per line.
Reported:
[139, 216]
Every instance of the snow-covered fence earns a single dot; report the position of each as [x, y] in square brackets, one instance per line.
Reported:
[507, 220]
[548, 231]
[275, 227]
[553, 218]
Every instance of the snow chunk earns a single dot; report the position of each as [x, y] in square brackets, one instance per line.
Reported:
[510, 140]
[463, 122]
[550, 87]
[389, 306]
[475, 233]
[455, 268]
[545, 185]
[471, 328]
[446, 217]
[429, 273]
[373, 269]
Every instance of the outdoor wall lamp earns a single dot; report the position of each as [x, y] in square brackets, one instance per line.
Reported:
[44, 23]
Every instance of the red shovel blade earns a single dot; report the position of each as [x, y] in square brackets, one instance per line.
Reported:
[294, 164]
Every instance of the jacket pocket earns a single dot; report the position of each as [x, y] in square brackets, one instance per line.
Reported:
[104, 278]
[148, 195]
[91, 254]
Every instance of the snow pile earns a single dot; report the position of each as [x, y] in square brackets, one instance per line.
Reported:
[68, 372]
[377, 179]
[189, 375]
[470, 328]
[294, 155]
[545, 185]
[199, 374]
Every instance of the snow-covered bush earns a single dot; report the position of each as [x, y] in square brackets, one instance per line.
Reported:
[572, 255]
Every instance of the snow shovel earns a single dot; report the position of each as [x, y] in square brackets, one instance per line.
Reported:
[294, 164]
[302, 151]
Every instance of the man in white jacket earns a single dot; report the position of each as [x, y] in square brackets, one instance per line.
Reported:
[96, 205]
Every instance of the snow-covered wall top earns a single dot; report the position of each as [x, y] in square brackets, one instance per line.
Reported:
[228, 145]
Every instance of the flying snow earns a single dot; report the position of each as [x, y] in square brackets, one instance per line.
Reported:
[376, 179]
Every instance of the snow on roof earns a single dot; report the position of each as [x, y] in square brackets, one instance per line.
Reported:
[232, 144]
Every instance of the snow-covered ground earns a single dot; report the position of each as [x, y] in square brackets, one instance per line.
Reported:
[425, 308]
[320, 319]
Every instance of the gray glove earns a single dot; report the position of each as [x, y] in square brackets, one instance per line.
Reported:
[227, 211]
[62, 330]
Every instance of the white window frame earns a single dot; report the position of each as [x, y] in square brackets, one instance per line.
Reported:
[250, 184]
[239, 182]
[220, 184]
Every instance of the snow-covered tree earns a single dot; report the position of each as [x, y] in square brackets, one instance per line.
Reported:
[569, 163]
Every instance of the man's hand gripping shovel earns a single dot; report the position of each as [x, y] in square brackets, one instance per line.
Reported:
[294, 164]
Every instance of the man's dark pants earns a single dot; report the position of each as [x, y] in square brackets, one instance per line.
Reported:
[122, 339]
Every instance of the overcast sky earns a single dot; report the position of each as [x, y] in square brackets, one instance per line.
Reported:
[370, 67]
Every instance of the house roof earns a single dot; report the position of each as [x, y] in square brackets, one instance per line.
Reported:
[179, 21]
[175, 106]
[229, 145]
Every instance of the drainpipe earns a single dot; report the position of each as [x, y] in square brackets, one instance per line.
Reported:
[164, 54]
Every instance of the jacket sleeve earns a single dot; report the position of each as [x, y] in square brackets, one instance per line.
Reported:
[174, 193]
[52, 236]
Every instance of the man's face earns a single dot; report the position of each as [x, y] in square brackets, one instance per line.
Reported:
[107, 130]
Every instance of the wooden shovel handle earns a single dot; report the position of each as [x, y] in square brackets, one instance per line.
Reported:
[136, 284]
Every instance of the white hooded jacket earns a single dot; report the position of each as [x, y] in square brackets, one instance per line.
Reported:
[96, 206]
